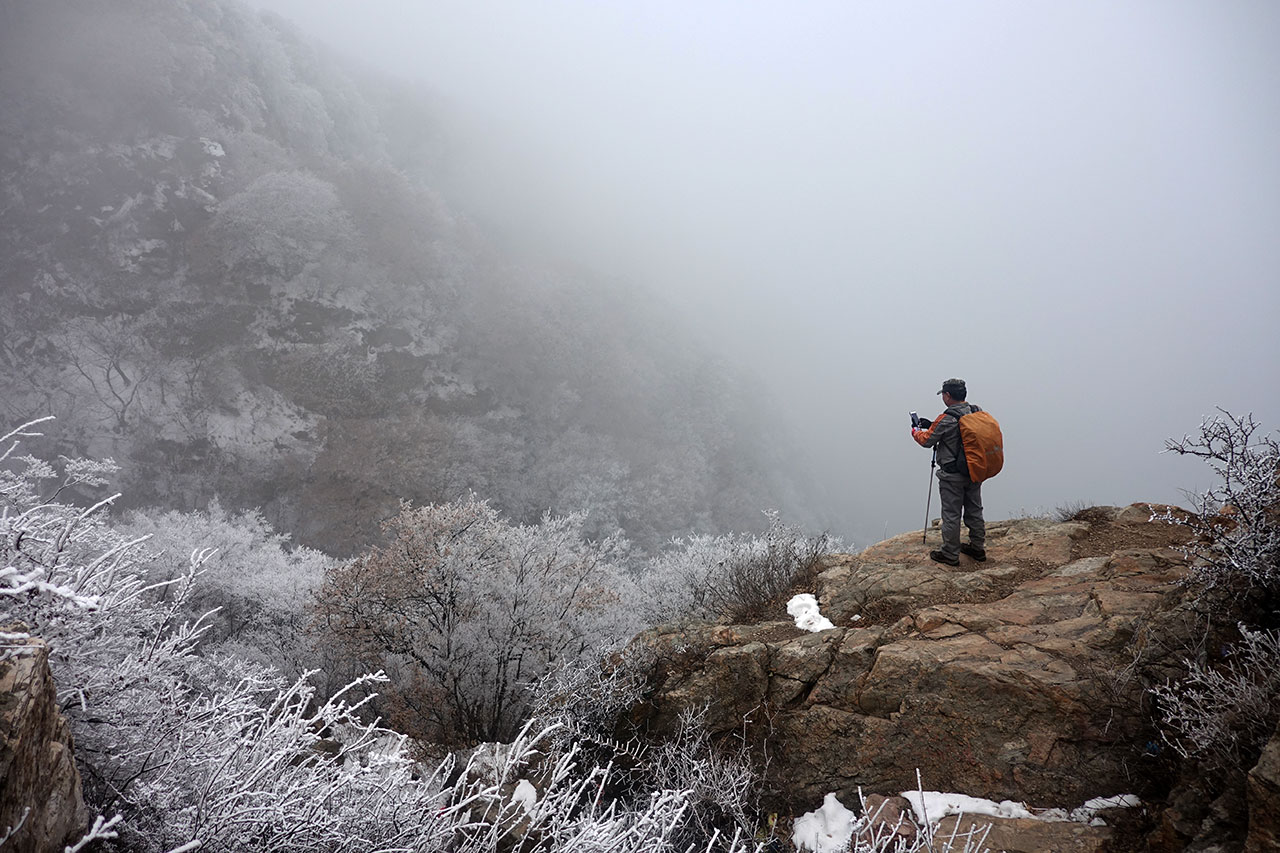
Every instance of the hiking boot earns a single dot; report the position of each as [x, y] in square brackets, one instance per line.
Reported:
[978, 554]
[939, 557]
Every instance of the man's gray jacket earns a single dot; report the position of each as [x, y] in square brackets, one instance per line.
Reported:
[944, 434]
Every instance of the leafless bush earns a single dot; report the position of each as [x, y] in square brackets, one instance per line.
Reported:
[1068, 511]
[464, 610]
[1236, 523]
[733, 577]
[1223, 715]
[587, 708]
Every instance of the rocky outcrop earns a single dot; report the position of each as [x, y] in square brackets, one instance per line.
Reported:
[39, 784]
[1018, 678]
[1264, 800]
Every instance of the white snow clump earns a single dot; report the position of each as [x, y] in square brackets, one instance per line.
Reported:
[830, 828]
[1088, 813]
[525, 795]
[936, 805]
[804, 607]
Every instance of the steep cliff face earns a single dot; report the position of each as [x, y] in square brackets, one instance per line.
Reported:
[1022, 678]
[40, 798]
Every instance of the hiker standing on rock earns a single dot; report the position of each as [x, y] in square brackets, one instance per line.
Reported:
[960, 488]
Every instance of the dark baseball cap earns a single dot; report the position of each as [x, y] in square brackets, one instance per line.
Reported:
[952, 385]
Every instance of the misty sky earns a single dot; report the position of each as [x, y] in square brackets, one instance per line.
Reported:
[1075, 207]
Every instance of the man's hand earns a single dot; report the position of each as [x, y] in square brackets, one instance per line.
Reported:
[925, 423]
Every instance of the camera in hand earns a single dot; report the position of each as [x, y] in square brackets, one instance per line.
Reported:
[915, 420]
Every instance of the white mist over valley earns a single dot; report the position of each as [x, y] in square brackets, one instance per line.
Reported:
[483, 427]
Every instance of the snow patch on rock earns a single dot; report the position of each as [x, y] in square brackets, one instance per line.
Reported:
[935, 805]
[829, 829]
[804, 607]
[932, 806]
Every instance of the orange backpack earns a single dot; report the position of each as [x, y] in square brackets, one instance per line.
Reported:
[983, 445]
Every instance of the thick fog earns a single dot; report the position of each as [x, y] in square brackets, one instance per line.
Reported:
[1075, 207]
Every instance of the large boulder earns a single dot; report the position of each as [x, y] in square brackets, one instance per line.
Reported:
[1022, 678]
[39, 784]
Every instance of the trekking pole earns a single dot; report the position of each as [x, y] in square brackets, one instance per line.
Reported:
[924, 537]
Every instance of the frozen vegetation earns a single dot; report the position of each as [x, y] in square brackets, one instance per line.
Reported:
[184, 746]
[202, 729]
[227, 688]
[228, 266]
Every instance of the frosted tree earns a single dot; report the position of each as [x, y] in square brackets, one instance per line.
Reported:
[111, 357]
[465, 610]
[36, 587]
[279, 224]
[255, 586]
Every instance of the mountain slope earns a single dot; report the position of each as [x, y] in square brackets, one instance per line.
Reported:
[223, 263]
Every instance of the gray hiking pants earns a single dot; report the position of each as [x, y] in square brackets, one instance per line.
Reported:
[961, 496]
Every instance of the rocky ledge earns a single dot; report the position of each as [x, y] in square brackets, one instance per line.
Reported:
[1023, 677]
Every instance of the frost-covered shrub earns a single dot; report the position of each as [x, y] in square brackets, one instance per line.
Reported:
[279, 223]
[733, 576]
[587, 709]
[255, 586]
[30, 538]
[1223, 716]
[465, 610]
[1236, 523]
[1222, 712]
[210, 752]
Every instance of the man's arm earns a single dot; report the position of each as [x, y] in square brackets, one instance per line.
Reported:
[943, 425]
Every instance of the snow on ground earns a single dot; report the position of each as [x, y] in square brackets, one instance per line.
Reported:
[827, 830]
[830, 828]
[932, 806]
[804, 607]
[525, 795]
[1088, 813]
[936, 805]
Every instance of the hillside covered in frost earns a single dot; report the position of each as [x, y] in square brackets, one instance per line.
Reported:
[224, 264]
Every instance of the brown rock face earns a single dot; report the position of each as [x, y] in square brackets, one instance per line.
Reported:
[1264, 801]
[38, 775]
[1017, 678]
